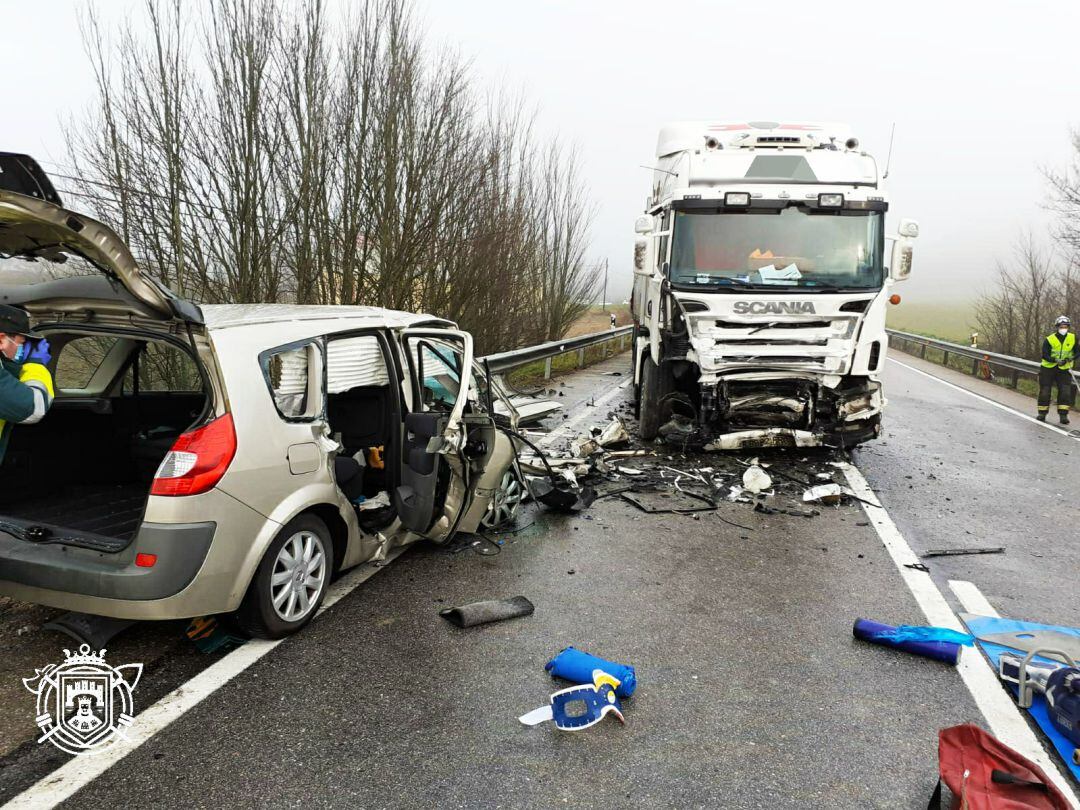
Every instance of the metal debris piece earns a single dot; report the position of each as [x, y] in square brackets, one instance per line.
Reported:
[645, 501]
[630, 471]
[584, 446]
[955, 552]
[614, 434]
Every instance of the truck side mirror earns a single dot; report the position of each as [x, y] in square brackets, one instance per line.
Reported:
[900, 264]
[909, 228]
[642, 265]
[644, 224]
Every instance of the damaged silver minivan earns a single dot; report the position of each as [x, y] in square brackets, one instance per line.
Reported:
[232, 458]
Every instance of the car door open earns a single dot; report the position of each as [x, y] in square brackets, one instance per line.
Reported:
[433, 490]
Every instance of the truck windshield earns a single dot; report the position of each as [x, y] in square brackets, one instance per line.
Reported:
[790, 247]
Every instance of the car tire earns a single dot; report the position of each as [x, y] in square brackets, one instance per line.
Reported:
[656, 383]
[290, 582]
[505, 501]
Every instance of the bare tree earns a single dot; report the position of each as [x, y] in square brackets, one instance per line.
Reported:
[1029, 293]
[250, 152]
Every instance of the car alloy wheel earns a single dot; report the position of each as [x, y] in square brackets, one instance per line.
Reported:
[298, 577]
[504, 502]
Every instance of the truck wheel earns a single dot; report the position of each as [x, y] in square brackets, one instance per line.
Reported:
[290, 582]
[656, 383]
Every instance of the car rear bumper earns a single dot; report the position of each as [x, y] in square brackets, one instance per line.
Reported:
[180, 550]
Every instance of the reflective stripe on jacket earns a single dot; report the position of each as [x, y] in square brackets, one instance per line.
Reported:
[1060, 354]
[26, 392]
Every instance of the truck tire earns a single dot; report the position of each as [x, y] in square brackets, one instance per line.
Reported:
[656, 383]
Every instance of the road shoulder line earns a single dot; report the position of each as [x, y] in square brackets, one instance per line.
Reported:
[1001, 714]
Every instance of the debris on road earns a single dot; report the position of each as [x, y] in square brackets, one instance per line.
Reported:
[956, 552]
[756, 480]
[828, 494]
[982, 772]
[208, 636]
[86, 628]
[938, 643]
[577, 666]
[485, 612]
[579, 707]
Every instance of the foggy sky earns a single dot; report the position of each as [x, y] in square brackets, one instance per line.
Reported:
[982, 95]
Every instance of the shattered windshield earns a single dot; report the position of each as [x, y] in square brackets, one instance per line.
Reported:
[789, 247]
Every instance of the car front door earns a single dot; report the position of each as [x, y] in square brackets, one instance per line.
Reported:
[447, 441]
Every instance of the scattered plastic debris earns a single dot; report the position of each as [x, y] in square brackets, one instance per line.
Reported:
[579, 707]
[756, 480]
[828, 494]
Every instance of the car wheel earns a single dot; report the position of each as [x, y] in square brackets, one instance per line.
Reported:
[505, 502]
[290, 582]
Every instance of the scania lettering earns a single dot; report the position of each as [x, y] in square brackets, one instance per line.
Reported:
[761, 279]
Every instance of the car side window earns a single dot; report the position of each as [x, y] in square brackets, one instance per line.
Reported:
[79, 359]
[293, 375]
[440, 375]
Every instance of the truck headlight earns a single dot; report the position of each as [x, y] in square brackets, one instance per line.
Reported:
[737, 199]
[830, 200]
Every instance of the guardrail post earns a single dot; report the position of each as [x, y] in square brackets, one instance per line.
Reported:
[1015, 379]
[547, 368]
[622, 343]
[945, 359]
[975, 368]
[580, 358]
[922, 350]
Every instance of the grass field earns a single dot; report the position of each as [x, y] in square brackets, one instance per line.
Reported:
[595, 319]
[945, 320]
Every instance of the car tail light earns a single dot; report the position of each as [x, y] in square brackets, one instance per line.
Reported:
[144, 560]
[197, 460]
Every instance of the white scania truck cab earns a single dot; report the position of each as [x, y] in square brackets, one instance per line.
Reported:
[760, 285]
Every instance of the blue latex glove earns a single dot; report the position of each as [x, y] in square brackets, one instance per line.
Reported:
[40, 353]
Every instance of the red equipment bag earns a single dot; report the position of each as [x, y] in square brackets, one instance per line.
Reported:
[985, 774]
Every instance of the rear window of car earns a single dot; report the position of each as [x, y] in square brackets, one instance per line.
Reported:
[16, 271]
[162, 368]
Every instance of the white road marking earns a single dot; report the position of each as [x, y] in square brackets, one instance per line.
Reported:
[987, 400]
[566, 427]
[79, 771]
[972, 598]
[1004, 718]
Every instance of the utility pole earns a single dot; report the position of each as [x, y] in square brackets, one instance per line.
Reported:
[603, 301]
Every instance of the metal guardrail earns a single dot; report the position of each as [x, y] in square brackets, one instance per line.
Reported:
[505, 361]
[980, 358]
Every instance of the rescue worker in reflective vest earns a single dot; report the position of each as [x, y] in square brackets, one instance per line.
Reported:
[26, 386]
[1058, 352]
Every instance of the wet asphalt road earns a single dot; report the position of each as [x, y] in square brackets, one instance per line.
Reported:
[752, 692]
[956, 472]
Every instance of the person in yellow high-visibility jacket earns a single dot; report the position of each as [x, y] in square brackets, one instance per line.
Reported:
[1058, 353]
[26, 386]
